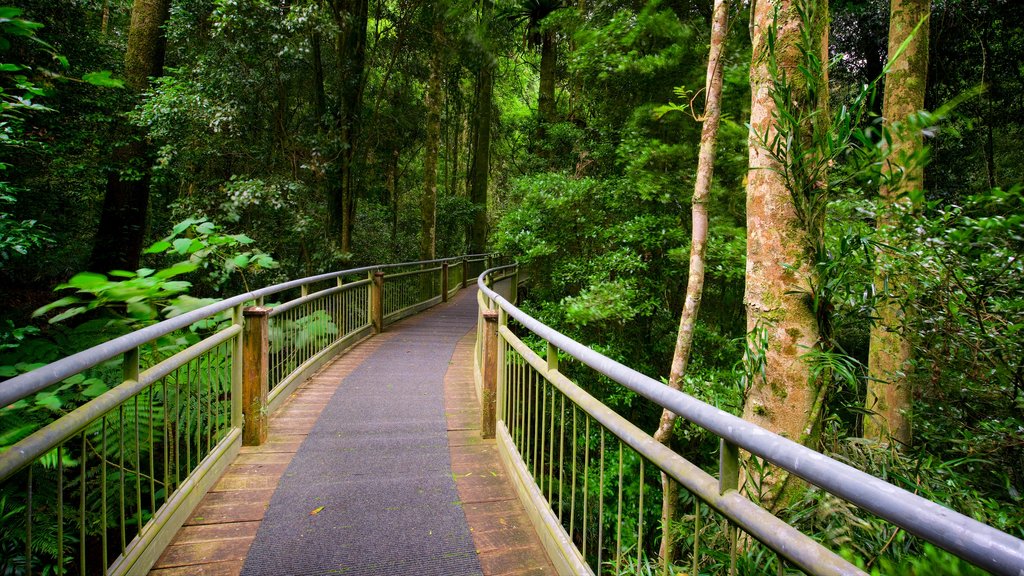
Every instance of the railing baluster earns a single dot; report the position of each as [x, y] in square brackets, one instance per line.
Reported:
[60, 510]
[696, 534]
[618, 517]
[81, 511]
[640, 518]
[103, 492]
[122, 513]
[600, 504]
[28, 524]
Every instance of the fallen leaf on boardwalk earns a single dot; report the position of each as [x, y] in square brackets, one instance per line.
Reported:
[316, 510]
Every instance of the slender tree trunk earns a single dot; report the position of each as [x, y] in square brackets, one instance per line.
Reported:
[889, 393]
[698, 245]
[428, 204]
[782, 394]
[351, 17]
[319, 97]
[482, 145]
[392, 187]
[546, 95]
[122, 226]
[105, 19]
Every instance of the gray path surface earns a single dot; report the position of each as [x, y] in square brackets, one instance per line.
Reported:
[377, 462]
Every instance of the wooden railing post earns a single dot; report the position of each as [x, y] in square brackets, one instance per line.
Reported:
[377, 302]
[465, 272]
[490, 374]
[255, 352]
[444, 282]
[514, 292]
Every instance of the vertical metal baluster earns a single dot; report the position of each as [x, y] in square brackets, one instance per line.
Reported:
[209, 401]
[138, 471]
[696, 534]
[122, 517]
[586, 474]
[152, 466]
[539, 409]
[551, 443]
[572, 491]
[618, 517]
[640, 518]
[780, 565]
[103, 492]
[28, 524]
[81, 510]
[728, 479]
[600, 505]
[188, 418]
[167, 446]
[60, 509]
[527, 414]
[561, 453]
[539, 470]
[177, 427]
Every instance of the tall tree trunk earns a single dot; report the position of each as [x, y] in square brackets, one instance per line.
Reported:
[482, 145]
[122, 227]
[351, 17]
[889, 393]
[319, 98]
[698, 245]
[782, 395]
[546, 94]
[428, 204]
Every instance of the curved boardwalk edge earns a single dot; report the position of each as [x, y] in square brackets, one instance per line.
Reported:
[505, 539]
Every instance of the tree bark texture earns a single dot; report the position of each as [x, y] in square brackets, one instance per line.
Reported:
[122, 227]
[889, 393]
[698, 245]
[482, 147]
[782, 394]
[546, 94]
[351, 17]
[434, 95]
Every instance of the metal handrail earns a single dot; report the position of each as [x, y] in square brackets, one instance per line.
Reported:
[31, 382]
[965, 537]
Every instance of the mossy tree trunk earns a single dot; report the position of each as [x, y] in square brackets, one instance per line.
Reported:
[122, 227]
[783, 237]
[480, 168]
[434, 96]
[698, 245]
[889, 393]
[351, 18]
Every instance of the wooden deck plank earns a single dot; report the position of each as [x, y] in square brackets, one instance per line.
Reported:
[505, 540]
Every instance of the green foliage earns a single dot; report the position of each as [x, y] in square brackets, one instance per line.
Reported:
[139, 297]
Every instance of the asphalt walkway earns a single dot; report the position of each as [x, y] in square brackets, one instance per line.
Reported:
[371, 489]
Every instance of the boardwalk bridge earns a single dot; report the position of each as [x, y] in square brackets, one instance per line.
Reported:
[397, 419]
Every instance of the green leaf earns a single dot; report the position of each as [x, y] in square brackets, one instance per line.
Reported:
[96, 387]
[181, 245]
[11, 67]
[241, 260]
[176, 270]
[145, 272]
[122, 274]
[183, 225]
[103, 79]
[56, 304]
[158, 247]
[87, 281]
[8, 371]
[243, 239]
[48, 400]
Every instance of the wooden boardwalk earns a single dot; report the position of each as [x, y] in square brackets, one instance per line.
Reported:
[216, 538]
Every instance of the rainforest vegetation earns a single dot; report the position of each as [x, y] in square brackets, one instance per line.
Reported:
[828, 194]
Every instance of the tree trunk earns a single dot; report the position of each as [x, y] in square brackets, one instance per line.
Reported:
[319, 98]
[122, 227]
[698, 245]
[782, 394]
[482, 146]
[546, 94]
[889, 393]
[351, 17]
[428, 204]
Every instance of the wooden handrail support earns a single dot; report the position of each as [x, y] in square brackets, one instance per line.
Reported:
[255, 353]
[444, 282]
[377, 302]
[490, 374]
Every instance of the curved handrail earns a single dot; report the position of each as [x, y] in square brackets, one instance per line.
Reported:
[965, 537]
[31, 382]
